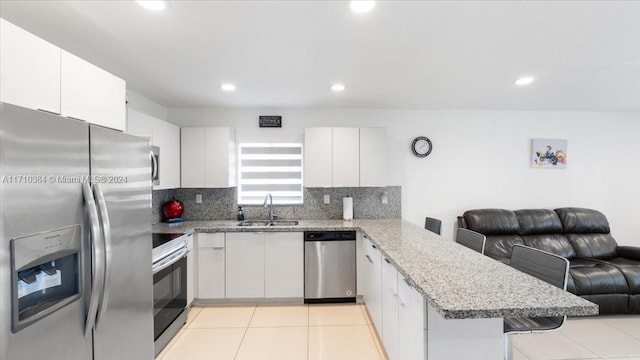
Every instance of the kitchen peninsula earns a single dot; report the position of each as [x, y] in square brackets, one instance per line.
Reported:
[466, 295]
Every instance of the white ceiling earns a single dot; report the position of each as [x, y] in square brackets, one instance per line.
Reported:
[403, 55]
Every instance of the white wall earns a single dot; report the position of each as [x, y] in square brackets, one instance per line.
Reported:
[142, 104]
[480, 158]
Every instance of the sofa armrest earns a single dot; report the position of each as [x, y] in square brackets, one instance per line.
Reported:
[629, 252]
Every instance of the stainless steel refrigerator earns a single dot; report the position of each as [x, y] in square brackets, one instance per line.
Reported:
[75, 240]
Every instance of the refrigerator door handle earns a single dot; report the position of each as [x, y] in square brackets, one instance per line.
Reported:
[97, 257]
[154, 168]
[106, 238]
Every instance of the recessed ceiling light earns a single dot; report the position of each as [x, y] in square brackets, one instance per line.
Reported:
[362, 6]
[525, 80]
[155, 5]
[228, 87]
[337, 87]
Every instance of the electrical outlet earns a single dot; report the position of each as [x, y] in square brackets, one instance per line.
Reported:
[198, 198]
[384, 198]
[327, 199]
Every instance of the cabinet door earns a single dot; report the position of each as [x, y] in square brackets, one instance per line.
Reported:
[245, 265]
[284, 265]
[373, 298]
[167, 137]
[139, 124]
[29, 69]
[373, 157]
[389, 332]
[211, 266]
[411, 322]
[346, 157]
[191, 157]
[219, 159]
[317, 157]
[90, 93]
[190, 277]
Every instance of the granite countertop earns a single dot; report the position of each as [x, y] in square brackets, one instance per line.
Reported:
[456, 281]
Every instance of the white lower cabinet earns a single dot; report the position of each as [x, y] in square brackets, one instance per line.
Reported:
[397, 309]
[284, 265]
[390, 310]
[210, 277]
[265, 265]
[245, 265]
[373, 287]
[412, 322]
[190, 281]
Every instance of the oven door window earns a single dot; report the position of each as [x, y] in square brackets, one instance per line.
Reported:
[169, 295]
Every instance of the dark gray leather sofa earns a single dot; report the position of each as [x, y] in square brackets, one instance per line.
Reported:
[600, 270]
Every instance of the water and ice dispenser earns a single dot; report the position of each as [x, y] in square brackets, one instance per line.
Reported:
[45, 274]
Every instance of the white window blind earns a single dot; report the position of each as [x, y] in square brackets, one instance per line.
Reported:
[274, 169]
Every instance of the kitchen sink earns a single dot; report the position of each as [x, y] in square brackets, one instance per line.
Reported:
[268, 223]
[283, 223]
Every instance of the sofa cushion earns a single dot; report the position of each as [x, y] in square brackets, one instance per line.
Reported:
[538, 221]
[583, 221]
[554, 243]
[589, 277]
[492, 222]
[499, 246]
[630, 268]
[595, 246]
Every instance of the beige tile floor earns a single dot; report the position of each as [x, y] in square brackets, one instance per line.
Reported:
[335, 331]
[344, 332]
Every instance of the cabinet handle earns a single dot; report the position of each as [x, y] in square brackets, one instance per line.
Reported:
[218, 247]
[373, 246]
[387, 261]
[368, 258]
[408, 282]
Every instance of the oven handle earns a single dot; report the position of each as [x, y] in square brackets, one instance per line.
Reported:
[97, 257]
[106, 237]
[174, 259]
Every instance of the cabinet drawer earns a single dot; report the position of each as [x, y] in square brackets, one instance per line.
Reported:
[213, 240]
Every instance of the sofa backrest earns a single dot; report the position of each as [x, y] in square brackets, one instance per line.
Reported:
[588, 232]
[542, 229]
[501, 228]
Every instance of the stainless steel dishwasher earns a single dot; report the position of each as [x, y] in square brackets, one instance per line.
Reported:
[329, 266]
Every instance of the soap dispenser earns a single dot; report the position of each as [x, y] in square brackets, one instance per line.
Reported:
[240, 214]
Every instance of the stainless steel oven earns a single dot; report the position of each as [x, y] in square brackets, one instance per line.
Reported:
[169, 286]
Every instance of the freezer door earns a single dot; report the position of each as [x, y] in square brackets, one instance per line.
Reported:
[122, 177]
[42, 160]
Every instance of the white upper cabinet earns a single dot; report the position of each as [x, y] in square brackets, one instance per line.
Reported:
[92, 94]
[346, 157]
[317, 157]
[373, 157]
[29, 69]
[164, 135]
[207, 157]
[140, 124]
[39, 75]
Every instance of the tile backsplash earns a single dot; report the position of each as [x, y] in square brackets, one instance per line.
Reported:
[222, 204]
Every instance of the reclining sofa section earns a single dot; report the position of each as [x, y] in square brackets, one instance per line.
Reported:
[600, 270]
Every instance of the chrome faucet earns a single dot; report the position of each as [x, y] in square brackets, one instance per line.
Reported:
[268, 202]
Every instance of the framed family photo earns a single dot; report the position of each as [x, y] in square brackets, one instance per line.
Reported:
[549, 153]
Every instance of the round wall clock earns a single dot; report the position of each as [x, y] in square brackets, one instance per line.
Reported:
[421, 146]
